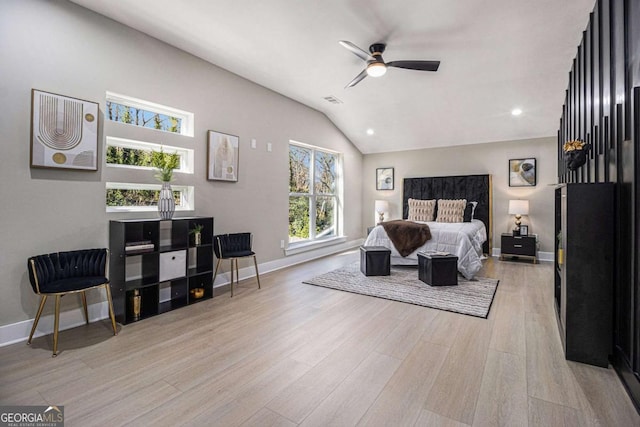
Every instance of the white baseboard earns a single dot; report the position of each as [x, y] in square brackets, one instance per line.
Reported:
[278, 264]
[542, 256]
[18, 332]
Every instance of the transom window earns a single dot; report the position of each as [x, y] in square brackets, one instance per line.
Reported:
[126, 197]
[137, 154]
[138, 112]
[314, 182]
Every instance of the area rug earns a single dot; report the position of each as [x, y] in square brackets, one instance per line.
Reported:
[472, 297]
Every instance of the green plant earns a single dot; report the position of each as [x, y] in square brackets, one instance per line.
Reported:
[196, 229]
[165, 163]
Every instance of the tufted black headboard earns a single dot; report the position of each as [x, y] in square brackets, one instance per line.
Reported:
[471, 187]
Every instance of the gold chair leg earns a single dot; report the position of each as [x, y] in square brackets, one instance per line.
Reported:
[56, 324]
[112, 313]
[43, 299]
[216, 272]
[237, 273]
[231, 276]
[83, 295]
[255, 262]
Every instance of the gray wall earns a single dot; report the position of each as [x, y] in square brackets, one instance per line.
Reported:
[492, 158]
[59, 47]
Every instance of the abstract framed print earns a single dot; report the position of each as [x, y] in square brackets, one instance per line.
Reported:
[522, 172]
[384, 179]
[64, 132]
[222, 157]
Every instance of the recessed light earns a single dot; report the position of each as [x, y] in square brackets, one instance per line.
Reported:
[516, 112]
[370, 131]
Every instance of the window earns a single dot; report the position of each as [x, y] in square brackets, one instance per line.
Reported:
[125, 197]
[138, 112]
[137, 154]
[314, 183]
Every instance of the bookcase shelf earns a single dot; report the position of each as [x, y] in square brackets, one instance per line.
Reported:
[174, 254]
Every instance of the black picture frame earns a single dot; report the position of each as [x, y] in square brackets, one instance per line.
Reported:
[524, 230]
[384, 179]
[523, 172]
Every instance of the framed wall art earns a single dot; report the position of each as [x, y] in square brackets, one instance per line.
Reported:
[222, 157]
[64, 132]
[522, 172]
[384, 179]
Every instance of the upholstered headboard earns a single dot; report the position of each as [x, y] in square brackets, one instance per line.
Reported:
[471, 187]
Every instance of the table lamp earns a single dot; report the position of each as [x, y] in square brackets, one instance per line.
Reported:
[382, 206]
[518, 208]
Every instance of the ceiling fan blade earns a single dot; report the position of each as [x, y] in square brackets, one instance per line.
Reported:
[356, 50]
[415, 65]
[357, 79]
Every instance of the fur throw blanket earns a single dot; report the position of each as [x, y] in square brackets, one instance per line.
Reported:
[407, 236]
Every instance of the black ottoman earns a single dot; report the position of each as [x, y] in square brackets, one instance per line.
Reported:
[375, 261]
[437, 270]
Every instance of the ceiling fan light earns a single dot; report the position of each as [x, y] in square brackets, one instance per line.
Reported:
[376, 69]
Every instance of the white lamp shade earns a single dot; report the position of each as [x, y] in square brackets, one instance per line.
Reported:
[382, 206]
[518, 207]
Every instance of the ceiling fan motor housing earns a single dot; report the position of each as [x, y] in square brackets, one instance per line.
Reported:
[377, 49]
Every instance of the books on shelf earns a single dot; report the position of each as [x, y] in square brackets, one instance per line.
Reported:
[143, 245]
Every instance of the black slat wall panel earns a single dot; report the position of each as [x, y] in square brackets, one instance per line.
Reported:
[602, 107]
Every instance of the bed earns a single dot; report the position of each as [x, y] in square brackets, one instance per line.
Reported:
[467, 240]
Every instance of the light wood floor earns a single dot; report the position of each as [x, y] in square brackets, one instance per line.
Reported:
[294, 354]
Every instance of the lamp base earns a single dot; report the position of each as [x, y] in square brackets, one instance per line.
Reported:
[518, 222]
[380, 217]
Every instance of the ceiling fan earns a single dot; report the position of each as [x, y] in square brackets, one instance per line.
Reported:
[376, 66]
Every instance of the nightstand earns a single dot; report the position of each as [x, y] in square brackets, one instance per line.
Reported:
[519, 246]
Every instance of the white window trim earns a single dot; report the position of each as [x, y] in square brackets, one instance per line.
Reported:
[293, 248]
[187, 125]
[188, 196]
[187, 157]
[310, 245]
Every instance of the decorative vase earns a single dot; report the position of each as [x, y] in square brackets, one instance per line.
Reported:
[136, 302]
[166, 202]
[197, 239]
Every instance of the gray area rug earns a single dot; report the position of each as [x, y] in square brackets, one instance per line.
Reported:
[472, 297]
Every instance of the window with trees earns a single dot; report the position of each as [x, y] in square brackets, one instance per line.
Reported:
[144, 197]
[138, 112]
[314, 182]
[138, 154]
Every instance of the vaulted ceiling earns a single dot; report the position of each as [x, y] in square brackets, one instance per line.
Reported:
[496, 55]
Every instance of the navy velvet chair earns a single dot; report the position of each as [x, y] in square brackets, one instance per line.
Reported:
[232, 247]
[62, 273]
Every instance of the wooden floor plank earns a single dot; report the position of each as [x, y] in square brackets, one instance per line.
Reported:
[455, 391]
[402, 400]
[508, 333]
[503, 395]
[351, 399]
[302, 397]
[267, 418]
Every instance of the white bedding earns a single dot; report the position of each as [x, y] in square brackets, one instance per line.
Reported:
[463, 239]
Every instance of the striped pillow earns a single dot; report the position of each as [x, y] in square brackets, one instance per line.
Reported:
[451, 210]
[421, 210]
